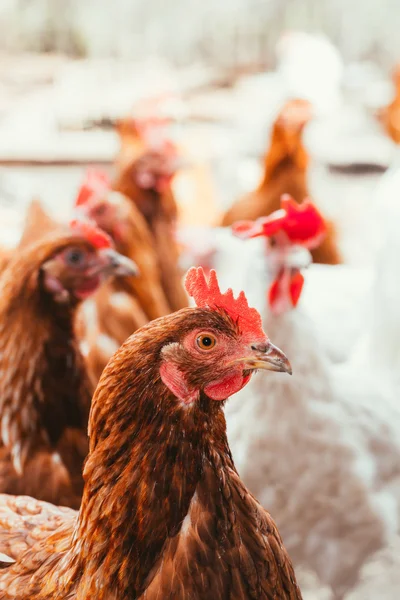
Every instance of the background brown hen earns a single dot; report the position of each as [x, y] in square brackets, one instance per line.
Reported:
[45, 391]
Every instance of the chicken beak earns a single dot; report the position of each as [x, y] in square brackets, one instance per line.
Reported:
[113, 263]
[267, 357]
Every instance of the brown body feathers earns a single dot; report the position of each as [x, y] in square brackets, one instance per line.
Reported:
[44, 391]
[122, 305]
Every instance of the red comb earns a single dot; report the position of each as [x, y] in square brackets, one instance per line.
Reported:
[98, 238]
[208, 294]
[296, 287]
[302, 224]
[96, 183]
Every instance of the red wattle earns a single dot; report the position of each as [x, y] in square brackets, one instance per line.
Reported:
[296, 286]
[274, 291]
[226, 387]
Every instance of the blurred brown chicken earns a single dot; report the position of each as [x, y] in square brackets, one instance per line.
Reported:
[132, 142]
[45, 390]
[122, 305]
[146, 181]
[285, 172]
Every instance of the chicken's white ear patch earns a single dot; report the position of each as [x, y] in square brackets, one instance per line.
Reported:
[175, 381]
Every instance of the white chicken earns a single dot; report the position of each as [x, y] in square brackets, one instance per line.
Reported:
[326, 459]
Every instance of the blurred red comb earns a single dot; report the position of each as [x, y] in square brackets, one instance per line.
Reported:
[96, 183]
[302, 224]
[97, 237]
[208, 294]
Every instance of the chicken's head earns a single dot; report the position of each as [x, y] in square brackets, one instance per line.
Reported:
[110, 211]
[288, 128]
[155, 169]
[290, 233]
[215, 348]
[81, 262]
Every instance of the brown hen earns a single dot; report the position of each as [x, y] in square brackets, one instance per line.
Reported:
[164, 513]
[285, 172]
[122, 305]
[45, 391]
[119, 217]
[147, 182]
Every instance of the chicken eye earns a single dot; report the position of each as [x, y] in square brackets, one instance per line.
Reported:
[206, 341]
[75, 257]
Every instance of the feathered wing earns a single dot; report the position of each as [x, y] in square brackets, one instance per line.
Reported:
[147, 286]
[104, 323]
[35, 535]
[228, 546]
[46, 474]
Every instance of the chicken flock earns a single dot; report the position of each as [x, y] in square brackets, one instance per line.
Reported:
[123, 475]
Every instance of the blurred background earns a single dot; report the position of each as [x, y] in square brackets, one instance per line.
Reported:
[69, 69]
[218, 75]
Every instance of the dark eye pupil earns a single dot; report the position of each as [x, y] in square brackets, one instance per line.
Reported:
[206, 341]
[75, 257]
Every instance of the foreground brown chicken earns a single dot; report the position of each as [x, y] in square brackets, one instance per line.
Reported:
[146, 181]
[164, 513]
[45, 391]
[285, 172]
